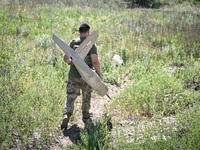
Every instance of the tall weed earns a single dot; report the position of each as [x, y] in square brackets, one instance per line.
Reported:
[95, 136]
[190, 76]
[154, 88]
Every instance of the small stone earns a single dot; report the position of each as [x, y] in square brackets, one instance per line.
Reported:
[117, 59]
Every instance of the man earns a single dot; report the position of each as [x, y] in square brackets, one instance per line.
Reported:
[75, 81]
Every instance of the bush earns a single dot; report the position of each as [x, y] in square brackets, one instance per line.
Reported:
[42, 41]
[96, 136]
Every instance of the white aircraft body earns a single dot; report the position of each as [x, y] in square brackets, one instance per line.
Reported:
[88, 75]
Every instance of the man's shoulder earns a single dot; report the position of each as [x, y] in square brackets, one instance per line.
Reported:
[74, 42]
[93, 50]
[77, 40]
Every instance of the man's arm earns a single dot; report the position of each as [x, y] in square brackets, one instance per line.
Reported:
[96, 64]
[66, 59]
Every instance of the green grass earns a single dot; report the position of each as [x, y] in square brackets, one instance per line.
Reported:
[161, 53]
[95, 136]
[181, 135]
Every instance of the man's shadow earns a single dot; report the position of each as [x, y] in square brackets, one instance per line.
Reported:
[74, 132]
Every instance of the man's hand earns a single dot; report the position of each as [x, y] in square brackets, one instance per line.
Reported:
[67, 59]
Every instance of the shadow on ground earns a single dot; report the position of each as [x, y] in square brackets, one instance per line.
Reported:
[73, 133]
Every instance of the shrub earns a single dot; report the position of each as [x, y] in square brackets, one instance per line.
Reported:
[42, 41]
[95, 136]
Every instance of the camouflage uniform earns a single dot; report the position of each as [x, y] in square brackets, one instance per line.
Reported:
[73, 91]
[75, 83]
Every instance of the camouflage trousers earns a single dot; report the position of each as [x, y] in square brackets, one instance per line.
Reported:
[74, 85]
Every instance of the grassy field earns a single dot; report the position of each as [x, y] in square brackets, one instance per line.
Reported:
[160, 73]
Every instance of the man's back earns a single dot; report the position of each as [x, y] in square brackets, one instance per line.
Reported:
[75, 44]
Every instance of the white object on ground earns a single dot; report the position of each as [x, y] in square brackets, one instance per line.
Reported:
[117, 59]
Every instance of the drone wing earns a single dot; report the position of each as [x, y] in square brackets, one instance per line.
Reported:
[86, 45]
[85, 71]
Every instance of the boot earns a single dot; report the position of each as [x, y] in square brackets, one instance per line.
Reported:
[65, 121]
[86, 116]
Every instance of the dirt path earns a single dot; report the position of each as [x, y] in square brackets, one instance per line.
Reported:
[64, 140]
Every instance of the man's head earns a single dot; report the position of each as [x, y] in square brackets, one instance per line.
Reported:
[84, 27]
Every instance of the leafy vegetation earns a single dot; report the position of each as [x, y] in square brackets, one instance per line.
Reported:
[160, 73]
[96, 136]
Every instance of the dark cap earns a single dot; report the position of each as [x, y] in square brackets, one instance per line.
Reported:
[84, 27]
